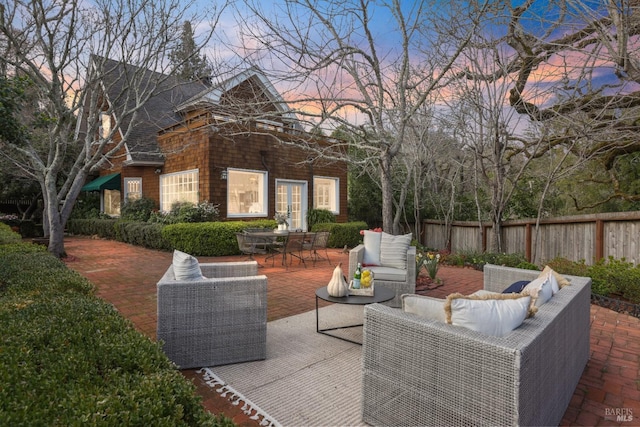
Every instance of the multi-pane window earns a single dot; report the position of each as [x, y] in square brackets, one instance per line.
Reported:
[132, 189]
[178, 187]
[111, 202]
[325, 194]
[246, 193]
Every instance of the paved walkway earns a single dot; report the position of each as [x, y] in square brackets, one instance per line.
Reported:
[126, 276]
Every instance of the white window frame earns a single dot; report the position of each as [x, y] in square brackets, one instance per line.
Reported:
[136, 181]
[193, 196]
[264, 196]
[336, 193]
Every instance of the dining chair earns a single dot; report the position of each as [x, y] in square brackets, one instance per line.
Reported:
[320, 241]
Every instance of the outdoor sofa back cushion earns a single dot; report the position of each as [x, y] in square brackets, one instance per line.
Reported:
[371, 243]
[496, 314]
[393, 250]
[424, 306]
[540, 289]
[186, 267]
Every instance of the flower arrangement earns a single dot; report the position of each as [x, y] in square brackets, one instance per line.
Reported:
[281, 218]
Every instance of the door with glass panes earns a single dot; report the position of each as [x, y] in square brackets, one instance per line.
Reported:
[291, 198]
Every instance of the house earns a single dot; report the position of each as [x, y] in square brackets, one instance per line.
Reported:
[236, 144]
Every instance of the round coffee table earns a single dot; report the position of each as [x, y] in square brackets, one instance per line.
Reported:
[381, 294]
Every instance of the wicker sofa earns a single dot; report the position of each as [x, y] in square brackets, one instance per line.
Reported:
[217, 320]
[423, 372]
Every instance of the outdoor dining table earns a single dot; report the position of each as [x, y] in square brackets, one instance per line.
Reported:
[269, 239]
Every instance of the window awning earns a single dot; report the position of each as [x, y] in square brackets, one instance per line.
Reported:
[105, 182]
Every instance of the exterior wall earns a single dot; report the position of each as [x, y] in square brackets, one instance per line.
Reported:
[211, 153]
[187, 150]
[150, 180]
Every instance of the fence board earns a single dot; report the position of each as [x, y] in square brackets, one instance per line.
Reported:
[573, 237]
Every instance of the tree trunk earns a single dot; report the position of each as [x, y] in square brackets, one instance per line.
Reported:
[53, 225]
[387, 193]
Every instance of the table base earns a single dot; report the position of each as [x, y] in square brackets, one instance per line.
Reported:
[325, 331]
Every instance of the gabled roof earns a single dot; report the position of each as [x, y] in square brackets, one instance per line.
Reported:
[173, 98]
[157, 113]
[213, 96]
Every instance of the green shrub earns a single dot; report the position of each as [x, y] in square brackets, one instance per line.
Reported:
[479, 259]
[21, 248]
[104, 228]
[182, 212]
[69, 358]
[38, 272]
[457, 259]
[342, 234]
[148, 235]
[612, 276]
[87, 206]
[318, 216]
[572, 268]
[206, 238]
[609, 277]
[138, 210]
[7, 235]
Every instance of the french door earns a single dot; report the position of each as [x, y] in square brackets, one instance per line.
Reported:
[291, 197]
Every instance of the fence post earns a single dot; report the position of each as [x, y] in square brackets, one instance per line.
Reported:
[527, 242]
[599, 249]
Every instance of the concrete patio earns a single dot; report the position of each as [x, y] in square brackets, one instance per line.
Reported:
[126, 276]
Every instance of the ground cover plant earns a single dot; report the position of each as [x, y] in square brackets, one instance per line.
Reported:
[69, 358]
[610, 277]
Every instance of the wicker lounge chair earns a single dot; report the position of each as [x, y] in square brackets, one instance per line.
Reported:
[217, 320]
[401, 280]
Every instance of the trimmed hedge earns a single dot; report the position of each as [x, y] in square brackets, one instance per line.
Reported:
[148, 235]
[104, 228]
[342, 234]
[201, 238]
[209, 238]
[69, 358]
[7, 235]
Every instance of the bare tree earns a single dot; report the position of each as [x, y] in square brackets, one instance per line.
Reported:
[365, 66]
[585, 57]
[493, 132]
[66, 48]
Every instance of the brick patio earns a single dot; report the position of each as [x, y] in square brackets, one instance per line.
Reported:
[126, 276]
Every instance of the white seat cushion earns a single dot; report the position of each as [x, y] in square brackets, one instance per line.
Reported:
[388, 274]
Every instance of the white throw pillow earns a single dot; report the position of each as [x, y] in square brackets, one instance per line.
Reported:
[540, 289]
[393, 250]
[423, 306]
[371, 243]
[558, 281]
[186, 267]
[497, 315]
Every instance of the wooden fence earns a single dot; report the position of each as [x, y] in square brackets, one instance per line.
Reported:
[579, 237]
